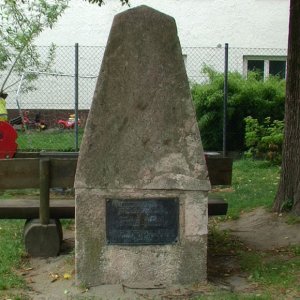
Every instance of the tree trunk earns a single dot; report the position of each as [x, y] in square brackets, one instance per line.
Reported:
[288, 194]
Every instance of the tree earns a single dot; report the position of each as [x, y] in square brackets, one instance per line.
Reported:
[288, 194]
[100, 2]
[21, 22]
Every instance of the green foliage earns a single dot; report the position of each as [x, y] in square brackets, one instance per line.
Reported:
[278, 272]
[21, 22]
[11, 252]
[287, 205]
[100, 2]
[246, 97]
[295, 250]
[264, 140]
[294, 219]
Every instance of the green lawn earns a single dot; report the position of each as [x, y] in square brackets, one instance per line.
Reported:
[11, 254]
[48, 140]
[254, 184]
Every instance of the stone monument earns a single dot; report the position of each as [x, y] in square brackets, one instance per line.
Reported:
[141, 181]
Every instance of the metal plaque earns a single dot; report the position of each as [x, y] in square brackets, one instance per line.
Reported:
[147, 221]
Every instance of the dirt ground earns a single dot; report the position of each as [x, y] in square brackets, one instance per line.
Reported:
[54, 278]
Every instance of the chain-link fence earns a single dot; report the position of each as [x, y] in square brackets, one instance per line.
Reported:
[49, 99]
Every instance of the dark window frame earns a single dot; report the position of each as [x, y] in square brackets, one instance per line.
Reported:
[267, 61]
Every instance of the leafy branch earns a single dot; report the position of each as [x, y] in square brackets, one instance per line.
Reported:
[101, 2]
[20, 23]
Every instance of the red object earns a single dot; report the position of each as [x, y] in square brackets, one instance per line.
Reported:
[8, 136]
[67, 124]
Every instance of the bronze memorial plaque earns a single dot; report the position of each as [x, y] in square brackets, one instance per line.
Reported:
[152, 221]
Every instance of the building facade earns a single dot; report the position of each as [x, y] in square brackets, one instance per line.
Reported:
[201, 23]
[256, 31]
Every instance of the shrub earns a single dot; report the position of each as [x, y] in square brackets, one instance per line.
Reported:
[264, 140]
[246, 97]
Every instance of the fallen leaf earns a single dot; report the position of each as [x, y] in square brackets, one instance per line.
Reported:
[30, 280]
[67, 276]
[54, 277]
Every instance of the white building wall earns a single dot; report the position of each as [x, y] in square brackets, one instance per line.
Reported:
[201, 23]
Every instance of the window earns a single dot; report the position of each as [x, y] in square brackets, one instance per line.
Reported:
[277, 68]
[257, 66]
[265, 66]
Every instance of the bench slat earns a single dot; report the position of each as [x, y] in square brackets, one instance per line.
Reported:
[19, 173]
[65, 209]
[62, 172]
[29, 209]
[219, 170]
[22, 173]
[217, 206]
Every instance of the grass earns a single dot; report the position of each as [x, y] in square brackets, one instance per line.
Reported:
[11, 194]
[48, 140]
[279, 271]
[254, 184]
[11, 254]
[12, 250]
[275, 273]
[292, 219]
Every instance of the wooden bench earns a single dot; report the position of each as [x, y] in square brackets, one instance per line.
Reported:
[220, 174]
[23, 173]
[42, 231]
[45, 171]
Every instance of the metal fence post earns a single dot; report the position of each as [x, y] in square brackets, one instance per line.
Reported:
[76, 96]
[225, 99]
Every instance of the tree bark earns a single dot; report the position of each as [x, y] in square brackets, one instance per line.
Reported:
[288, 194]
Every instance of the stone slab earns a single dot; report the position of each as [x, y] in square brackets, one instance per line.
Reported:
[141, 131]
[100, 263]
[42, 240]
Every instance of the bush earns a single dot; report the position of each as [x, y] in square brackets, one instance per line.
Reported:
[246, 97]
[264, 140]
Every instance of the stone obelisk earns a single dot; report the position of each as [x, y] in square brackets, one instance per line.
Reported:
[141, 182]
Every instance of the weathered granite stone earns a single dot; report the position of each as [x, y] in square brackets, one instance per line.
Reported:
[42, 240]
[141, 141]
[99, 263]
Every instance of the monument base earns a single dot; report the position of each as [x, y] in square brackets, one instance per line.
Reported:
[171, 259]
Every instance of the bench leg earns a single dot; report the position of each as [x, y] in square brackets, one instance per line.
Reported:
[42, 240]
